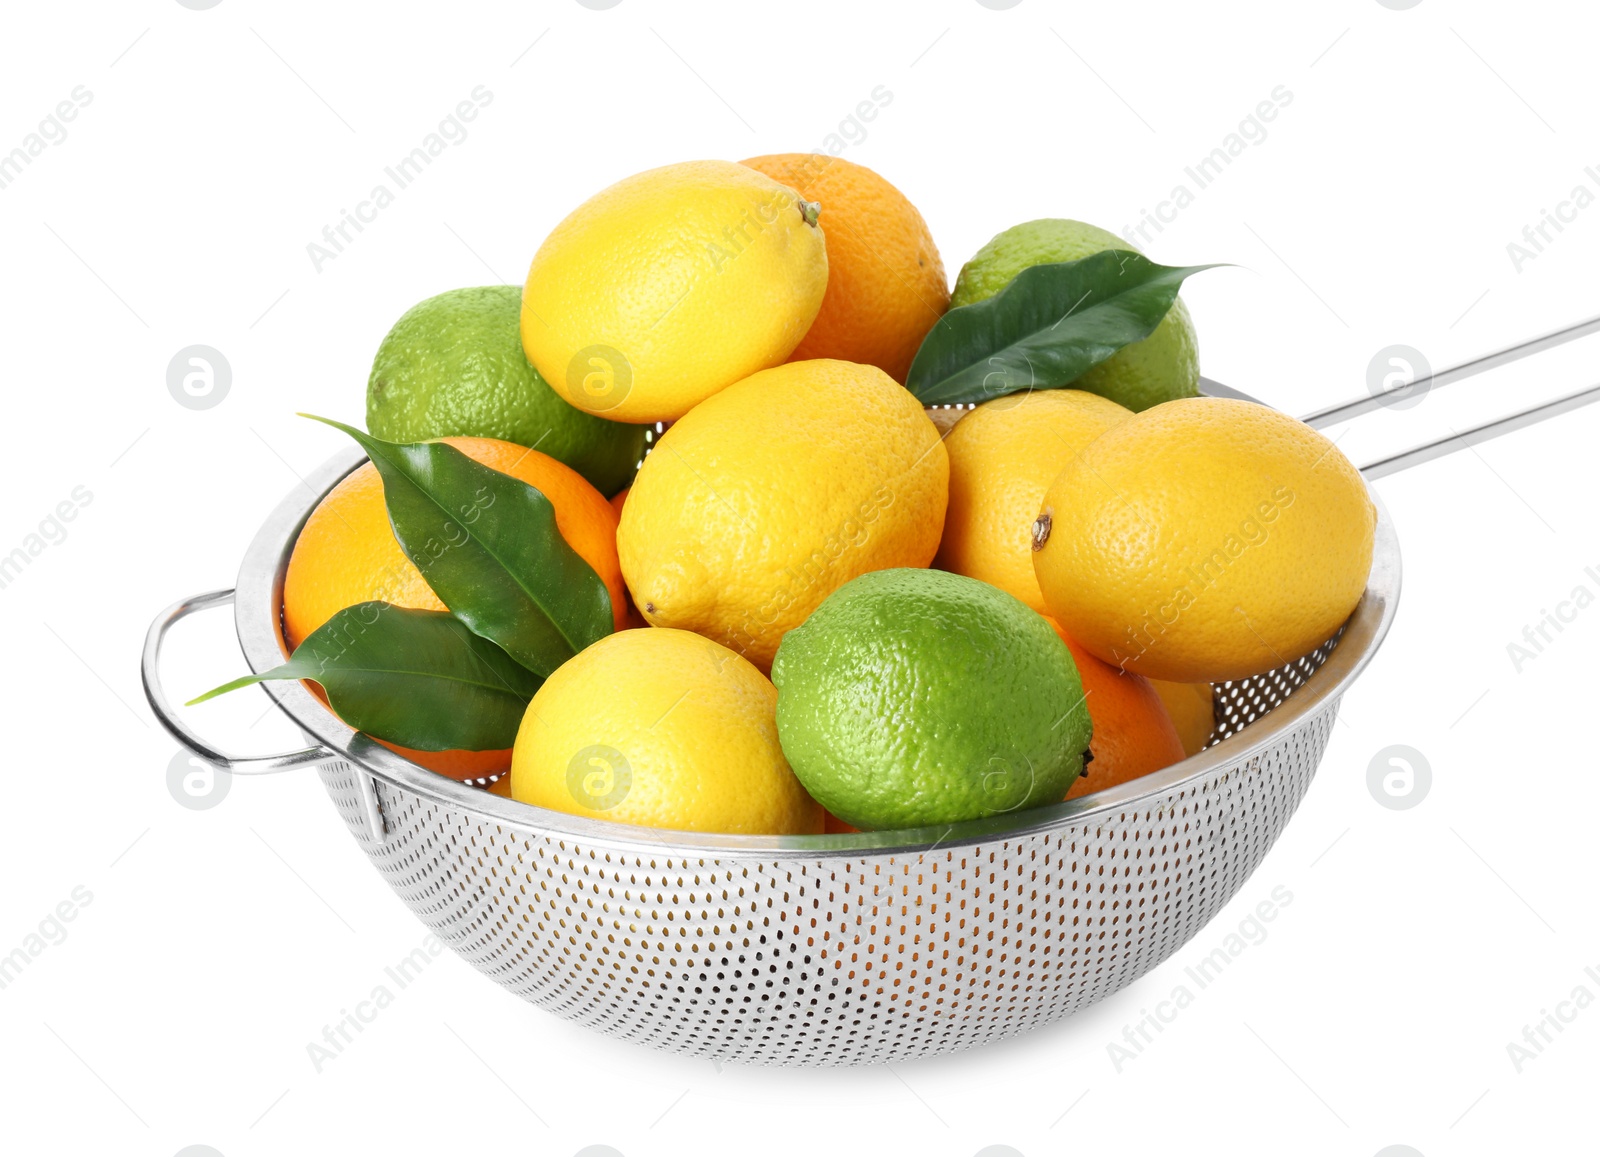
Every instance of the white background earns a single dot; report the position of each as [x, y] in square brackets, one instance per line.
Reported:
[1378, 209]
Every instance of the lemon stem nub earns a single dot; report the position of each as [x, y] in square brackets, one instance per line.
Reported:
[1041, 532]
[810, 210]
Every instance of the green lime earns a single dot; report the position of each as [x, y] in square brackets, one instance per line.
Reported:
[914, 697]
[1164, 366]
[453, 365]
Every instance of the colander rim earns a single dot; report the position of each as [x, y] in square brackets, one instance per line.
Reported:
[258, 620]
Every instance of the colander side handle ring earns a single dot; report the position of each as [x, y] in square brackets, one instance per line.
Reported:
[150, 674]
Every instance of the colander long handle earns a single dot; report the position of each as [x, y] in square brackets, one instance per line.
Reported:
[1428, 451]
[150, 672]
[1354, 408]
[1459, 440]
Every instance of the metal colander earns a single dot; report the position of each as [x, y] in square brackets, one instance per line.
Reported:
[815, 950]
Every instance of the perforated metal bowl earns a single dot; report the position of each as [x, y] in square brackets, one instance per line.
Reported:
[815, 950]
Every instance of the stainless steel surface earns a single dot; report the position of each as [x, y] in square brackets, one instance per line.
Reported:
[150, 673]
[1536, 345]
[827, 950]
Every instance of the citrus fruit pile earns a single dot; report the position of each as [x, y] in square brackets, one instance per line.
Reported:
[735, 518]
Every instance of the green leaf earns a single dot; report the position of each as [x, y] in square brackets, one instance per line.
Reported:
[1044, 329]
[417, 678]
[488, 545]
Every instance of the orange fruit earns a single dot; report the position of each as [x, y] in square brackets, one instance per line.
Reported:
[457, 764]
[635, 619]
[1190, 706]
[347, 554]
[834, 826]
[1133, 734]
[886, 284]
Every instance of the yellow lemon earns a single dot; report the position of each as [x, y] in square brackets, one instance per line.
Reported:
[1204, 539]
[1003, 456]
[670, 285]
[769, 496]
[664, 729]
